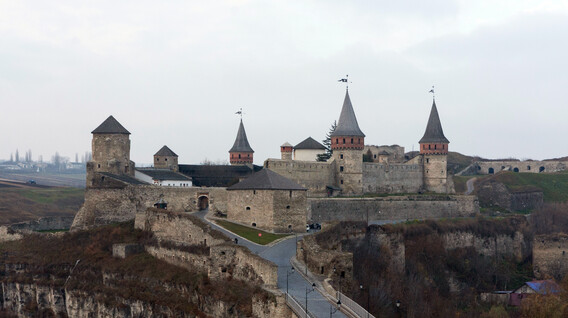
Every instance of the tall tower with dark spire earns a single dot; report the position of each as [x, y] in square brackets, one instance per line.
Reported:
[347, 143]
[434, 150]
[241, 153]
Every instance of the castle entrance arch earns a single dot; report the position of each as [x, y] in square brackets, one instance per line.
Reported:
[202, 202]
[491, 171]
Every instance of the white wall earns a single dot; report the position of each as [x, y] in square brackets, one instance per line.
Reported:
[307, 154]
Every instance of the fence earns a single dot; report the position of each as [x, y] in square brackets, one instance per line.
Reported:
[297, 308]
[353, 306]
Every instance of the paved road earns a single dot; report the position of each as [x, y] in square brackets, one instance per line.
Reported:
[469, 185]
[280, 254]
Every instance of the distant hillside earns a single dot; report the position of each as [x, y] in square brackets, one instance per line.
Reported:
[20, 202]
[553, 185]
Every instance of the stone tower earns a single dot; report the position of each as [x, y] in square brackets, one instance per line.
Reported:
[286, 151]
[241, 153]
[165, 158]
[434, 151]
[111, 151]
[347, 143]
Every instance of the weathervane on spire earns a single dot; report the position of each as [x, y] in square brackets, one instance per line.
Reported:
[346, 81]
[240, 113]
[433, 94]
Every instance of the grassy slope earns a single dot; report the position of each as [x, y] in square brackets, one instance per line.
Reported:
[250, 233]
[554, 185]
[18, 204]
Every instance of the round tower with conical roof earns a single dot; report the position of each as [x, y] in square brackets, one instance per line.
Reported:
[347, 143]
[241, 153]
[111, 151]
[434, 151]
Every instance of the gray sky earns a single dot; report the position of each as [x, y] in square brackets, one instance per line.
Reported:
[175, 72]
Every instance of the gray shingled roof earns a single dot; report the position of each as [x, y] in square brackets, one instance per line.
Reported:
[266, 179]
[434, 132]
[123, 178]
[165, 151]
[241, 142]
[309, 143]
[347, 124]
[110, 126]
[164, 174]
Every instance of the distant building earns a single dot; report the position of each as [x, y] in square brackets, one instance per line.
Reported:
[162, 177]
[308, 150]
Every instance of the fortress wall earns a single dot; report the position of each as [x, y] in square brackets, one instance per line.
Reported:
[392, 178]
[392, 208]
[180, 228]
[239, 262]
[105, 206]
[312, 175]
[516, 246]
[523, 166]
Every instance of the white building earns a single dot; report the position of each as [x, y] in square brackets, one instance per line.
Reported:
[308, 150]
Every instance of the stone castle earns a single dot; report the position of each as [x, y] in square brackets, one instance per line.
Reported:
[275, 197]
[389, 171]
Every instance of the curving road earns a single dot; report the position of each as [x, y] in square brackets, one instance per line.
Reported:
[469, 185]
[281, 253]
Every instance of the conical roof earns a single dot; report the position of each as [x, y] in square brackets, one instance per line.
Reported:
[165, 151]
[266, 179]
[241, 143]
[347, 124]
[434, 132]
[110, 126]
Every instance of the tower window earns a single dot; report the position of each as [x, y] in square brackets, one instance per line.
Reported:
[337, 140]
[341, 181]
[341, 168]
[341, 156]
[166, 159]
[239, 156]
[248, 208]
[427, 160]
[157, 159]
[290, 193]
[351, 140]
[435, 146]
[344, 141]
[443, 146]
[248, 155]
[429, 147]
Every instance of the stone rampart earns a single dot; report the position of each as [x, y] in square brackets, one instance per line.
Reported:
[491, 167]
[242, 264]
[407, 207]
[314, 176]
[45, 224]
[179, 228]
[550, 256]
[392, 178]
[516, 246]
[105, 206]
[190, 261]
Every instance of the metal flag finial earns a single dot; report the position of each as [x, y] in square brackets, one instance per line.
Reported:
[240, 112]
[432, 91]
[346, 81]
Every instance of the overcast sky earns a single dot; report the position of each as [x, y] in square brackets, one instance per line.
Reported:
[175, 72]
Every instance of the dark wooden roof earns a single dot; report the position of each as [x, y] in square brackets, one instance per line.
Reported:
[165, 151]
[347, 124]
[110, 126]
[266, 180]
[434, 132]
[217, 175]
[309, 143]
[241, 142]
[164, 174]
